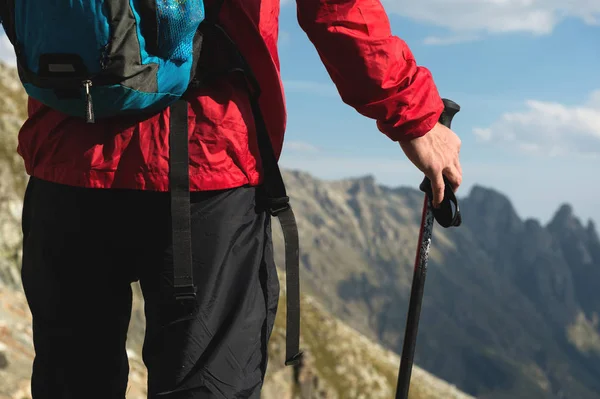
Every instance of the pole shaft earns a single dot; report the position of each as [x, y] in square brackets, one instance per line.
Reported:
[416, 299]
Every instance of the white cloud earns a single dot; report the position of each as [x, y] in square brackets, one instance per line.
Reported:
[466, 17]
[300, 146]
[548, 128]
[482, 134]
[450, 39]
[497, 16]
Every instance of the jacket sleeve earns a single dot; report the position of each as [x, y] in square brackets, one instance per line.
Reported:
[374, 71]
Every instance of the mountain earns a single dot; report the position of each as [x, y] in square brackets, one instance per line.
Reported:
[510, 307]
[341, 363]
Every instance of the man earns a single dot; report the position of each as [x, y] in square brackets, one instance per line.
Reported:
[96, 215]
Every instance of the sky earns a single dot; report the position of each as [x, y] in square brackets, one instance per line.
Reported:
[526, 74]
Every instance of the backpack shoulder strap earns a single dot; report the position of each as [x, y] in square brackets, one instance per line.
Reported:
[179, 180]
[275, 196]
[278, 204]
[213, 11]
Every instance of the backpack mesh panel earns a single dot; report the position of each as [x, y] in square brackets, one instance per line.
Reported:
[177, 24]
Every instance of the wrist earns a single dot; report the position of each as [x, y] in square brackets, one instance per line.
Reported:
[417, 126]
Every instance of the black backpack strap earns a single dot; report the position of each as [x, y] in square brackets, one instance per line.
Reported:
[179, 180]
[277, 200]
[279, 206]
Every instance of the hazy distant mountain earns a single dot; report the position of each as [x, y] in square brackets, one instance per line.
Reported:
[510, 306]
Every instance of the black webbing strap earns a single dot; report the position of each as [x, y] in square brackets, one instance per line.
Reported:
[276, 198]
[179, 181]
[279, 206]
[292, 265]
[278, 203]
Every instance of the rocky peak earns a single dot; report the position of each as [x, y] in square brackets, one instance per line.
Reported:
[492, 218]
[564, 218]
[366, 185]
[592, 231]
[490, 201]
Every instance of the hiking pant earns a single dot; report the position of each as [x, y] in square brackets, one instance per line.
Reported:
[82, 250]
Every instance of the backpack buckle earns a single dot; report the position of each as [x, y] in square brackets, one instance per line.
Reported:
[278, 205]
[185, 292]
[295, 360]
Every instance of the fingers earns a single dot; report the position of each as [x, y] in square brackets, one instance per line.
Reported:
[437, 187]
[459, 168]
[454, 176]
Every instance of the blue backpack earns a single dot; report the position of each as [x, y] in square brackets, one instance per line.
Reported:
[102, 58]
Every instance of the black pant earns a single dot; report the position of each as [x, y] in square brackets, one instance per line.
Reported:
[82, 250]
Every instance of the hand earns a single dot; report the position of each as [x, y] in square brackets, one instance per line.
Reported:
[436, 154]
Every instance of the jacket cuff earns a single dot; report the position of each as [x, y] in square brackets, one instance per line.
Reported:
[417, 117]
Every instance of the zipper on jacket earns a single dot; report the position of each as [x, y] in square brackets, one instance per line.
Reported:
[89, 105]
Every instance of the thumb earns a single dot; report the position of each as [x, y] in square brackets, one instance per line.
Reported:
[437, 186]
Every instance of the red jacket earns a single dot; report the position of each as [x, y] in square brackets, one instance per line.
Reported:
[374, 72]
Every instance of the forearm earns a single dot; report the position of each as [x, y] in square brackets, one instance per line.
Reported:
[374, 71]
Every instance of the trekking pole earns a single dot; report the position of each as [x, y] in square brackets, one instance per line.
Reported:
[446, 217]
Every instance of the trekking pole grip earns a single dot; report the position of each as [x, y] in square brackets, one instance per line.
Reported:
[445, 215]
[450, 110]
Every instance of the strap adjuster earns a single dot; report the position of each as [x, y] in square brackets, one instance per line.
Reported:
[278, 205]
[185, 292]
[294, 360]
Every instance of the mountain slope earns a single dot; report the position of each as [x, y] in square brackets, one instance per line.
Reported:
[12, 174]
[503, 313]
[341, 363]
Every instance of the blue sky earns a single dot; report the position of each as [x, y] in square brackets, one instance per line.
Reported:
[526, 74]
